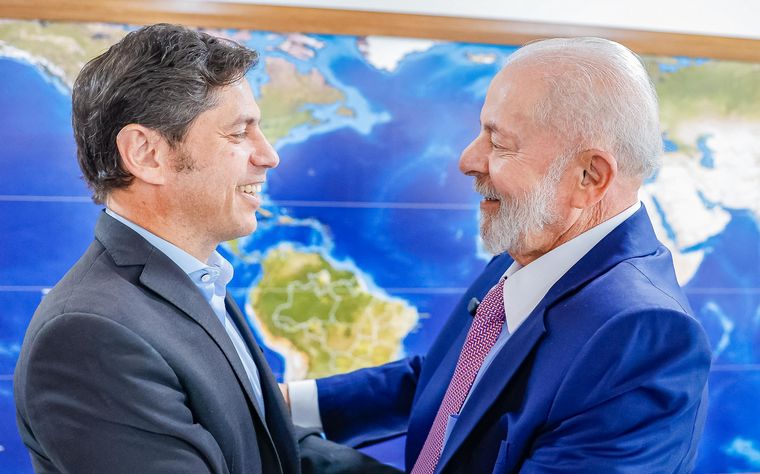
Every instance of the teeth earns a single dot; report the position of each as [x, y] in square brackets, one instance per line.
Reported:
[250, 188]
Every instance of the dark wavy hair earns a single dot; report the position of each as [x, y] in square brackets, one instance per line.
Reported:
[160, 76]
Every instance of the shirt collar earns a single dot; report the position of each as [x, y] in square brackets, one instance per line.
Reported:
[218, 271]
[527, 286]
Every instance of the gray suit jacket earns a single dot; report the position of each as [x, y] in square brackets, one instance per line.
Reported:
[126, 368]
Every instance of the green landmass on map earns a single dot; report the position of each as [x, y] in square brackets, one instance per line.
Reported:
[327, 314]
[64, 46]
[62, 49]
[284, 97]
[714, 89]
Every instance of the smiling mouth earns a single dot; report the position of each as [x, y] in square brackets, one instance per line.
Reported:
[486, 190]
[490, 196]
[251, 189]
[490, 201]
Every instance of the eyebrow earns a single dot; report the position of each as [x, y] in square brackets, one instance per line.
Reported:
[246, 120]
[491, 127]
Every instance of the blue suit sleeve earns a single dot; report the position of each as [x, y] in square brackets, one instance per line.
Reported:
[368, 404]
[632, 401]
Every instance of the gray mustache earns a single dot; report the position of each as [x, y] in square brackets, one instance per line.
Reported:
[486, 189]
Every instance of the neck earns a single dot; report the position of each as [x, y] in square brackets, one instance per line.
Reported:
[151, 216]
[575, 223]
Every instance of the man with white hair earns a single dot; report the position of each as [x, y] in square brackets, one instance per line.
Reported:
[582, 354]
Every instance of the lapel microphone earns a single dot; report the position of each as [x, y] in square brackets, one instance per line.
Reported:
[472, 306]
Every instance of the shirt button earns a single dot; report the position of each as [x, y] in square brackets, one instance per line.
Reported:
[206, 278]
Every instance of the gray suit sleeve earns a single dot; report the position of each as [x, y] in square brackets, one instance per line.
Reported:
[98, 398]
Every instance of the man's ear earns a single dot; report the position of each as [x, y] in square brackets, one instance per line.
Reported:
[143, 152]
[598, 172]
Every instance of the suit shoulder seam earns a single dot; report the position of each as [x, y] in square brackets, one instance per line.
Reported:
[665, 293]
[84, 275]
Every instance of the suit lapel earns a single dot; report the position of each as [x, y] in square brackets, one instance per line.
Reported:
[275, 404]
[634, 237]
[279, 424]
[493, 381]
[441, 359]
[162, 276]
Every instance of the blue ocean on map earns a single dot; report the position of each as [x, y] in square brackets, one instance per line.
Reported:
[378, 193]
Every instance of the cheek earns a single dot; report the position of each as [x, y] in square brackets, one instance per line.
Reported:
[236, 162]
[513, 178]
[503, 179]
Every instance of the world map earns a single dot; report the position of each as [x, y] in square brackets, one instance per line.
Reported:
[369, 233]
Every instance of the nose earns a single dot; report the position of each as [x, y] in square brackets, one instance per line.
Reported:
[474, 158]
[264, 155]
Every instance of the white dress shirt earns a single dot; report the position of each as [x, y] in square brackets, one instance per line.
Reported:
[524, 288]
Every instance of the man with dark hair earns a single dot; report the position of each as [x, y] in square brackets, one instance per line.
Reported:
[138, 361]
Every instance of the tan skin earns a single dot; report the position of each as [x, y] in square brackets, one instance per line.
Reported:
[190, 194]
[514, 154]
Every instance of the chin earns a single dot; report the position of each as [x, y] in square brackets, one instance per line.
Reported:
[248, 229]
[243, 229]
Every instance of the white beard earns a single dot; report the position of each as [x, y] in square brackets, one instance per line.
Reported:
[519, 218]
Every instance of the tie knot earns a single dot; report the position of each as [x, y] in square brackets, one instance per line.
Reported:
[492, 306]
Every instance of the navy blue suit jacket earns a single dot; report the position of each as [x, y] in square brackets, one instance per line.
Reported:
[607, 374]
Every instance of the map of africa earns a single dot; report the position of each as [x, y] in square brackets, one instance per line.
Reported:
[369, 233]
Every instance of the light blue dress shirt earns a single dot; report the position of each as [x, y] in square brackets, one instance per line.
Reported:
[211, 280]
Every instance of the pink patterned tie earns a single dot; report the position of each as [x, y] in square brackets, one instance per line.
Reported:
[485, 330]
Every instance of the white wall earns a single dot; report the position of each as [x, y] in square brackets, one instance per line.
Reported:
[739, 18]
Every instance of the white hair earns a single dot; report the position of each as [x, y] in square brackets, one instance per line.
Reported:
[599, 96]
[519, 217]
